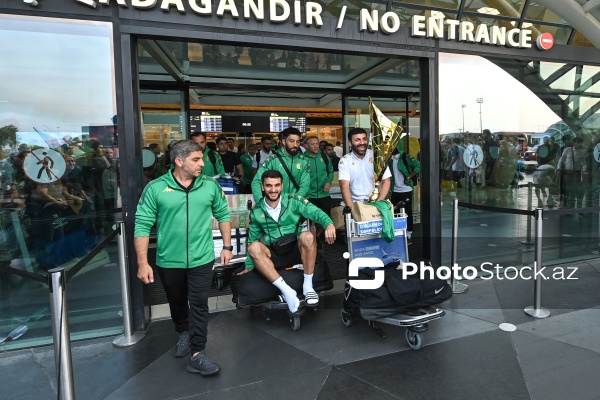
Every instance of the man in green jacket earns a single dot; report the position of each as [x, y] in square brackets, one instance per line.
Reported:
[273, 217]
[404, 171]
[182, 203]
[321, 175]
[295, 162]
[247, 159]
[213, 164]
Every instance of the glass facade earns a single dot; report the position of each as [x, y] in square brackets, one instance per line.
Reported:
[60, 166]
[527, 137]
[59, 173]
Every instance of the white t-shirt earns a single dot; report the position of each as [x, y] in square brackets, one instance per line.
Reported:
[360, 173]
[263, 157]
[399, 186]
[338, 151]
[274, 212]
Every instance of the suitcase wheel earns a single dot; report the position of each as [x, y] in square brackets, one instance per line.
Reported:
[295, 323]
[414, 339]
[220, 283]
[347, 319]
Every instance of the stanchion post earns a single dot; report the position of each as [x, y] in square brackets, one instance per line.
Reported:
[457, 287]
[528, 240]
[60, 331]
[536, 310]
[128, 337]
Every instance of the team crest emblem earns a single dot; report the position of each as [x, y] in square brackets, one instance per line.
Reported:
[371, 160]
[299, 166]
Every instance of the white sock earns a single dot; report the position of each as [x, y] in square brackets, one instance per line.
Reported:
[307, 286]
[289, 294]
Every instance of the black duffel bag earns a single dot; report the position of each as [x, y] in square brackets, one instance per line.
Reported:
[253, 288]
[396, 295]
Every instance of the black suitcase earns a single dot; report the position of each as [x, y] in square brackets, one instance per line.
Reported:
[396, 295]
[253, 288]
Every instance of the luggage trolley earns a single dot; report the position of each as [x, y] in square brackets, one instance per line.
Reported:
[293, 276]
[367, 235]
[239, 237]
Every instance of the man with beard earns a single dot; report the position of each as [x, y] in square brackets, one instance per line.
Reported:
[182, 203]
[246, 159]
[213, 164]
[335, 160]
[290, 163]
[273, 217]
[266, 142]
[231, 160]
[321, 175]
[356, 171]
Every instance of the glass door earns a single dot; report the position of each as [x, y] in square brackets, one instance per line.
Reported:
[404, 112]
[164, 121]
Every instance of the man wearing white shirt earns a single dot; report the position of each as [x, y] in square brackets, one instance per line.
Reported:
[259, 159]
[356, 171]
[338, 150]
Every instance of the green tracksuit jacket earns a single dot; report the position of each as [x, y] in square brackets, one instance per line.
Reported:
[209, 168]
[183, 220]
[320, 174]
[246, 160]
[293, 207]
[413, 165]
[298, 166]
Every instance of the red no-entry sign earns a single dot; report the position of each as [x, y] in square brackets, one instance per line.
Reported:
[545, 41]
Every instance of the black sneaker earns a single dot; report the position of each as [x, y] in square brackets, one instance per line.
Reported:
[183, 345]
[201, 364]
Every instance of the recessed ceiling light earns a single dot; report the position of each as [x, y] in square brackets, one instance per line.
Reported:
[32, 3]
[488, 10]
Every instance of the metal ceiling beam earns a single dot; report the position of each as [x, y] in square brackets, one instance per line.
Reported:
[328, 99]
[372, 72]
[256, 101]
[573, 13]
[159, 54]
[590, 5]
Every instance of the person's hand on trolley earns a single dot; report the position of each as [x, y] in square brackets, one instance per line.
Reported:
[330, 234]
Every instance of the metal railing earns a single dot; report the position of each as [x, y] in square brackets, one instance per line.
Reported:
[57, 279]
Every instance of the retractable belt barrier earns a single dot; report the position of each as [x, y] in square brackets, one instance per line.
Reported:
[57, 279]
[536, 310]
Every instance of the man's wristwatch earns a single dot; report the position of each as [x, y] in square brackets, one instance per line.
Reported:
[230, 248]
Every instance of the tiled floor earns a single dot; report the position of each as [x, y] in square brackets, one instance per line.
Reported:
[466, 355]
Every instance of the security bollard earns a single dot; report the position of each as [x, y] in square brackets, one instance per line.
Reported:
[60, 332]
[128, 337]
[528, 240]
[536, 310]
[457, 287]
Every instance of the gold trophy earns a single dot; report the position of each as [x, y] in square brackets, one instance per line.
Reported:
[385, 137]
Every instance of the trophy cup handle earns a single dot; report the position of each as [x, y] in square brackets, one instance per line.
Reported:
[375, 193]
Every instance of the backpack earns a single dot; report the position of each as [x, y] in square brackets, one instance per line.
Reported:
[326, 161]
[414, 180]
[213, 159]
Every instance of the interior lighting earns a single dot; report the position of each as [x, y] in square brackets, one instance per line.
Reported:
[32, 3]
[488, 10]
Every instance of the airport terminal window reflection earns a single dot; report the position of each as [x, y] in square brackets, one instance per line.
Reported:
[502, 146]
[59, 172]
[496, 7]
[164, 122]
